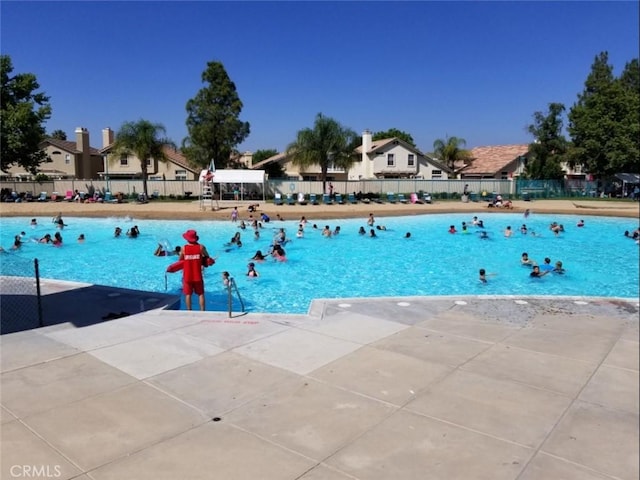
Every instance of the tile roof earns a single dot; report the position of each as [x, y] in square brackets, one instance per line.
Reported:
[174, 155]
[275, 158]
[68, 146]
[493, 159]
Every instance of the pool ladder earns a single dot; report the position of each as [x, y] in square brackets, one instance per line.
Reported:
[231, 286]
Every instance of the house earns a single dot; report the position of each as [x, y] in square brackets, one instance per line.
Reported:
[499, 161]
[394, 158]
[387, 158]
[65, 159]
[128, 166]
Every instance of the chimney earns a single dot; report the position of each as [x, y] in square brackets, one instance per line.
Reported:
[366, 147]
[83, 167]
[107, 137]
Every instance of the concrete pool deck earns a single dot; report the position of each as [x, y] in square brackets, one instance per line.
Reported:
[407, 388]
[387, 388]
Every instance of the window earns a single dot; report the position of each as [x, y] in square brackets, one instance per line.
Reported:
[504, 175]
[181, 174]
[391, 161]
[148, 162]
[435, 174]
[124, 160]
[67, 159]
[411, 160]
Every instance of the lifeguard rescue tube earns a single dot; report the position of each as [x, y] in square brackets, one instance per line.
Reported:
[176, 266]
[179, 265]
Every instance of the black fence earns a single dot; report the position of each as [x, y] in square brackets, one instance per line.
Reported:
[20, 296]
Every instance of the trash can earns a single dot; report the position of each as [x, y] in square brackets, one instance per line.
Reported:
[526, 197]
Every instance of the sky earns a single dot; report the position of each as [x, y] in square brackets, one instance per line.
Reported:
[474, 70]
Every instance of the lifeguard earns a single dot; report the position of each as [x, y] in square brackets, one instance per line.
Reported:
[194, 257]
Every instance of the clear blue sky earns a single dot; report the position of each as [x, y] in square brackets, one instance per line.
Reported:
[476, 70]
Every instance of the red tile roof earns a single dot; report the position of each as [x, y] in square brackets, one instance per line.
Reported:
[494, 159]
[71, 147]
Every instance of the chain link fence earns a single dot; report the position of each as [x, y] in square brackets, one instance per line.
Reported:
[20, 299]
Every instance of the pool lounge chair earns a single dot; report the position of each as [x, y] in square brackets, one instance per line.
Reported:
[301, 199]
[401, 198]
[277, 199]
[326, 199]
[426, 198]
[313, 200]
[391, 197]
[377, 200]
[352, 199]
[290, 199]
[42, 197]
[339, 199]
[68, 196]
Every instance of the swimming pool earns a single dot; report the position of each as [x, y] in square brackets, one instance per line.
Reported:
[599, 260]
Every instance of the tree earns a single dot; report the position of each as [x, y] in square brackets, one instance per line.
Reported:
[394, 132]
[450, 150]
[273, 169]
[22, 114]
[214, 128]
[58, 134]
[604, 123]
[326, 143]
[547, 152]
[142, 139]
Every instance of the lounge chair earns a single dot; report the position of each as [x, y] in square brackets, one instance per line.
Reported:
[352, 199]
[401, 198]
[414, 198]
[28, 197]
[326, 199]
[313, 200]
[426, 197]
[55, 197]
[290, 199]
[391, 197]
[277, 199]
[42, 197]
[339, 199]
[301, 199]
[68, 196]
[377, 200]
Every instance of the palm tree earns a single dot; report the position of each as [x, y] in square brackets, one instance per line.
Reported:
[143, 139]
[450, 150]
[327, 143]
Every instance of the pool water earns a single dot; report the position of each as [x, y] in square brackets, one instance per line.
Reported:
[598, 259]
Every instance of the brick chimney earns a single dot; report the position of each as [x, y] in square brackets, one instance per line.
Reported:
[83, 167]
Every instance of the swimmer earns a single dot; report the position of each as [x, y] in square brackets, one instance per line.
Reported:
[259, 257]
[300, 232]
[527, 212]
[264, 217]
[452, 229]
[474, 221]
[580, 223]
[523, 229]
[371, 220]
[536, 273]
[362, 231]
[279, 253]
[407, 235]
[372, 233]
[81, 238]
[34, 222]
[303, 221]
[59, 222]
[45, 239]
[558, 268]
[234, 214]
[256, 234]
[117, 232]
[380, 227]
[508, 232]
[326, 232]
[480, 224]
[483, 276]
[242, 225]
[337, 230]
[58, 239]
[464, 229]
[252, 270]
[525, 260]
[17, 243]
[315, 226]
[483, 235]
[133, 232]
[546, 266]
[226, 279]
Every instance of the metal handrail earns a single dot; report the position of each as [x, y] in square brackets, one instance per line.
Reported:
[230, 286]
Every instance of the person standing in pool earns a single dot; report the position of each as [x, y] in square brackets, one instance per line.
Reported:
[193, 256]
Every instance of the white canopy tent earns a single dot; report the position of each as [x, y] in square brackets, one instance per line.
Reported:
[240, 178]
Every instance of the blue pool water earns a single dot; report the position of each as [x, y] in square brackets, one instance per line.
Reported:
[599, 260]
